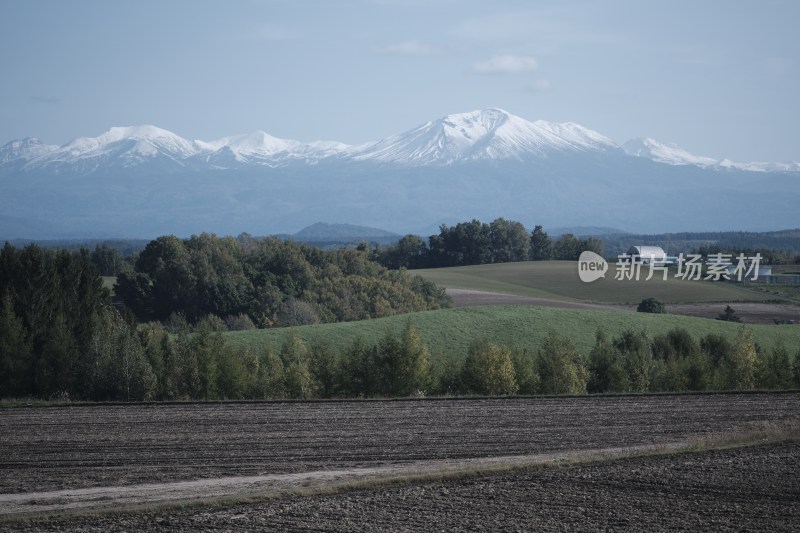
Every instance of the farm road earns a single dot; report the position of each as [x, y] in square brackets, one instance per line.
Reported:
[117, 497]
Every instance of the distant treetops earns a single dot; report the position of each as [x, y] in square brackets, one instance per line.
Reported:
[270, 281]
[478, 243]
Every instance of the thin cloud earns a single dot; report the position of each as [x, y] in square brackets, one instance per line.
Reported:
[413, 48]
[36, 99]
[506, 64]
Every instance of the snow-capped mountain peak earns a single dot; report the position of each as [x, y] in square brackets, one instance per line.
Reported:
[490, 134]
[474, 125]
[23, 150]
[143, 132]
[142, 140]
[486, 134]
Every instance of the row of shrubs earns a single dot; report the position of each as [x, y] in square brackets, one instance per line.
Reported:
[630, 362]
[205, 365]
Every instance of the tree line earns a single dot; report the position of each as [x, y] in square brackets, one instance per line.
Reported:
[775, 247]
[631, 362]
[120, 361]
[501, 241]
[479, 243]
[401, 365]
[59, 333]
[206, 366]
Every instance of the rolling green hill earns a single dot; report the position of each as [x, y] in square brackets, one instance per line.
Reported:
[450, 331]
[559, 280]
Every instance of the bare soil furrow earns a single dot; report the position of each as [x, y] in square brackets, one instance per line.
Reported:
[745, 489]
[54, 448]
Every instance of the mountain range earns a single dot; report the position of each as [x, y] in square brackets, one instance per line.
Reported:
[144, 181]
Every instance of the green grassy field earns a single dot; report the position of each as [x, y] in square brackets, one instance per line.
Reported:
[788, 292]
[450, 331]
[559, 280]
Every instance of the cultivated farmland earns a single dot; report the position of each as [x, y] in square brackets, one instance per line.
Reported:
[559, 280]
[281, 444]
[753, 489]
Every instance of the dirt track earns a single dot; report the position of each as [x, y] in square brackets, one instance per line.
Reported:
[750, 313]
[213, 489]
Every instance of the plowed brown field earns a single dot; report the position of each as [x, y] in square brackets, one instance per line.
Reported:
[749, 489]
[156, 447]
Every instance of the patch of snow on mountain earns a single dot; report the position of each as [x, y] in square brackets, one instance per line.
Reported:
[24, 150]
[577, 136]
[130, 146]
[261, 148]
[256, 145]
[792, 166]
[665, 153]
[147, 140]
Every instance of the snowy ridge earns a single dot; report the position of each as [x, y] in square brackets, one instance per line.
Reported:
[481, 135]
[23, 150]
[792, 166]
[665, 153]
[263, 149]
[671, 154]
[136, 140]
[484, 135]
[123, 146]
[253, 147]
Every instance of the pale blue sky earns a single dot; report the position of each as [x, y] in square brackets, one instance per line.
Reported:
[719, 78]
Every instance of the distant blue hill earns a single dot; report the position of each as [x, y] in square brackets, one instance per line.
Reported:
[322, 232]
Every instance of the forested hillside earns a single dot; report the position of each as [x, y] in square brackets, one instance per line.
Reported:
[61, 336]
[268, 282]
